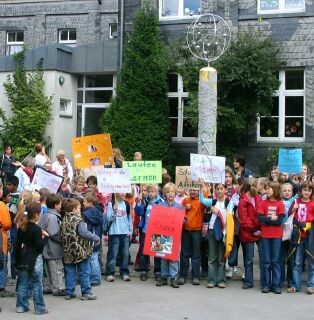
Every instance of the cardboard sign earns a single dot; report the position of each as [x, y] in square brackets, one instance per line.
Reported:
[43, 178]
[144, 171]
[209, 168]
[290, 160]
[114, 180]
[91, 151]
[184, 178]
[163, 235]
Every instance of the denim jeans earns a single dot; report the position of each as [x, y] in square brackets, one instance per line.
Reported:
[249, 261]
[297, 268]
[3, 271]
[286, 248]
[95, 274]
[13, 235]
[83, 270]
[233, 258]
[271, 248]
[190, 248]
[116, 241]
[216, 262]
[169, 268]
[27, 278]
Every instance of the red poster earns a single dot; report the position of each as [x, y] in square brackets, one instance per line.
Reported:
[163, 235]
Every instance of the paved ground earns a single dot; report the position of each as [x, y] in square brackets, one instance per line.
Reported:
[143, 300]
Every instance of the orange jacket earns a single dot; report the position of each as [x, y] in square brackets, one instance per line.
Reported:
[5, 225]
[195, 215]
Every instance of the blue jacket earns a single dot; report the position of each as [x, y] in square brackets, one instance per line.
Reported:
[94, 220]
[121, 220]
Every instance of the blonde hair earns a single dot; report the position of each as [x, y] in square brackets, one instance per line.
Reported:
[167, 187]
[117, 154]
[152, 187]
[26, 197]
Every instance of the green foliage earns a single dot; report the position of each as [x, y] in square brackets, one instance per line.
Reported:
[138, 118]
[31, 109]
[246, 83]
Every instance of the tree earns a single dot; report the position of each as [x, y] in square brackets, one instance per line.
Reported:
[247, 81]
[138, 117]
[31, 109]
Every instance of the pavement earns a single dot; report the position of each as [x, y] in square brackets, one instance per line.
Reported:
[143, 300]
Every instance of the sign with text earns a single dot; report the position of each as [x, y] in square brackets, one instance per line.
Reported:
[43, 178]
[290, 160]
[163, 235]
[184, 178]
[113, 180]
[209, 168]
[95, 150]
[144, 171]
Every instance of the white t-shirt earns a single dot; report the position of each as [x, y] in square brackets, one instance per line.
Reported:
[40, 160]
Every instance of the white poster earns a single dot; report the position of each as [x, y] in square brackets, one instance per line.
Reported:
[46, 179]
[114, 180]
[209, 168]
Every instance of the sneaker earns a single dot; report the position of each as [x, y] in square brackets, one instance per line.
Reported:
[161, 282]
[110, 278]
[143, 276]
[310, 290]
[95, 284]
[247, 286]
[174, 283]
[277, 291]
[196, 282]
[210, 285]
[292, 290]
[88, 296]
[181, 281]
[6, 294]
[126, 277]
[21, 309]
[70, 296]
[45, 311]
[221, 285]
[60, 293]
[229, 273]
[265, 290]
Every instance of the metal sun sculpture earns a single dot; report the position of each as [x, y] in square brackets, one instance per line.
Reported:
[208, 37]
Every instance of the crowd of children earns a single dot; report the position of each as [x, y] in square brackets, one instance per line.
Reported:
[56, 240]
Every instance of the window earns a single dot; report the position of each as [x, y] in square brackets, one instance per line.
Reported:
[65, 108]
[286, 123]
[178, 9]
[177, 95]
[68, 36]
[15, 42]
[113, 30]
[280, 6]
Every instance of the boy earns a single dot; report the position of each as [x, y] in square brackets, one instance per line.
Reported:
[143, 209]
[77, 244]
[94, 220]
[78, 187]
[120, 230]
[261, 187]
[53, 251]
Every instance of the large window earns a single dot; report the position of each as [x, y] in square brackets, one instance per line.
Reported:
[286, 123]
[15, 42]
[280, 6]
[68, 37]
[180, 128]
[178, 9]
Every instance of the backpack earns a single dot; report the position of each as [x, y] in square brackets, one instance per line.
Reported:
[107, 223]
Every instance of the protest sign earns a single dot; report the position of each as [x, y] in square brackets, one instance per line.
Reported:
[92, 150]
[43, 178]
[209, 168]
[163, 235]
[184, 178]
[144, 171]
[113, 180]
[290, 160]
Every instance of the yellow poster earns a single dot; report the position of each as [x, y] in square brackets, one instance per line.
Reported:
[89, 151]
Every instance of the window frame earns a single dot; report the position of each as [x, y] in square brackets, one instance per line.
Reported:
[68, 113]
[10, 44]
[281, 8]
[68, 42]
[110, 30]
[282, 93]
[180, 12]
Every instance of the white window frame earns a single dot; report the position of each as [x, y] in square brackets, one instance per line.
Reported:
[181, 95]
[180, 12]
[10, 44]
[68, 42]
[111, 35]
[281, 8]
[282, 93]
[68, 112]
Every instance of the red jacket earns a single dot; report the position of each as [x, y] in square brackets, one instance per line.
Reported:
[248, 220]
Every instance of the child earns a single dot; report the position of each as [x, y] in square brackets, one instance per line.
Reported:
[53, 251]
[77, 245]
[26, 197]
[94, 220]
[303, 210]
[29, 246]
[120, 230]
[180, 195]
[169, 268]
[78, 187]
[43, 193]
[270, 214]
[261, 187]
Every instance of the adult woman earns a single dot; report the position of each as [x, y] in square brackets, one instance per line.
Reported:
[41, 158]
[62, 166]
[24, 174]
[8, 163]
[118, 157]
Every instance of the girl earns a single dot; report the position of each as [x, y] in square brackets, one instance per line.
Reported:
[303, 210]
[270, 214]
[29, 246]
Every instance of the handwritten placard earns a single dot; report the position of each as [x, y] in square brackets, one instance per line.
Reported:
[184, 178]
[92, 150]
[43, 178]
[209, 168]
[290, 160]
[113, 180]
[144, 171]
